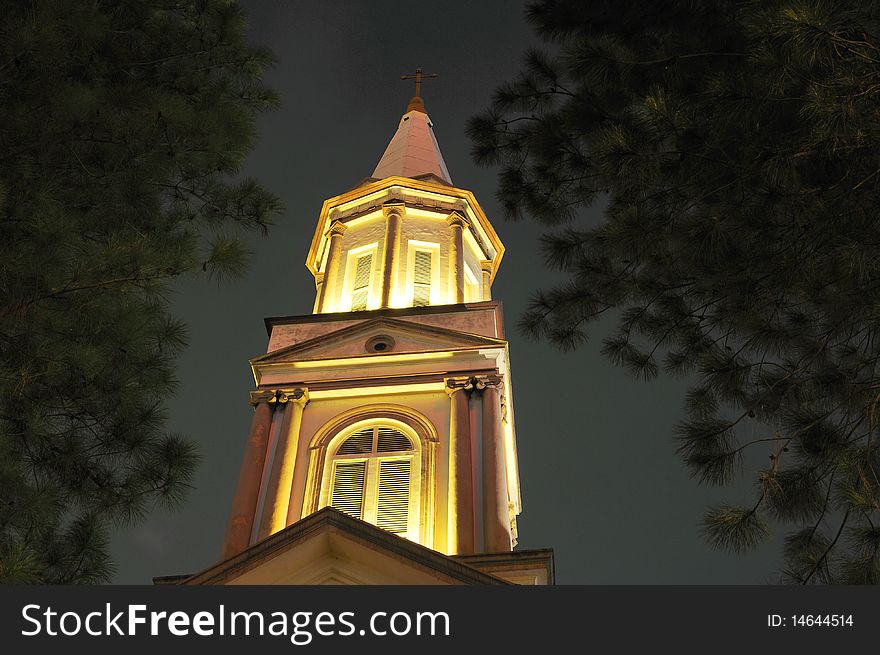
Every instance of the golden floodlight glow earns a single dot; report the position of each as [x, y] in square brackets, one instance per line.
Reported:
[350, 392]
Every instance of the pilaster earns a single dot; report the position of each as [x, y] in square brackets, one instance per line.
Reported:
[393, 211]
[331, 270]
[278, 489]
[456, 224]
[461, 529]
[250, 477]
[486, 270]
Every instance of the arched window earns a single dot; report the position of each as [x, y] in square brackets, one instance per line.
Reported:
[374, 472]
[376, 462]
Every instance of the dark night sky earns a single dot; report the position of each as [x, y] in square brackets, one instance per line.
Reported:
[601, 482]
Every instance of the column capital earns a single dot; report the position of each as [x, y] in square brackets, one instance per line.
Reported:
[486, 265]
[280, 396]
[268, 396]
[393, 208]
[480, 382]
[453, 385]
[472, 383]
[457, 384]
[456, 219]
[300, 396]
[337, 228]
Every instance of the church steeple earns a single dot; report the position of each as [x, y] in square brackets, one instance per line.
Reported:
[413, 151]
[392, 401]
[382, 441]
[406, 237]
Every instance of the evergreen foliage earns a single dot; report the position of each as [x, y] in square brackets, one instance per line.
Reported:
[734, 147]
[124, 124]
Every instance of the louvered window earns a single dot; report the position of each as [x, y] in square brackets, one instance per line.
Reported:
[422, 279]
[372, 477]
[348, 488]
[392, 513]
[389, 440]
[361, 288]
[360, 442]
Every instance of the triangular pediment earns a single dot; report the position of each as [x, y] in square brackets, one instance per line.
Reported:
[395, 336]
[330, 547]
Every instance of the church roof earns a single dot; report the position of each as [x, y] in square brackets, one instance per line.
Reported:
[413, 151]
[329, 547]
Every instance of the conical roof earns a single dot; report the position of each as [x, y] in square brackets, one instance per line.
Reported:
[413, 151]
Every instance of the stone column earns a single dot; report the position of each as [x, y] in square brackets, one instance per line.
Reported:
[300, 479]
[393, 211]
[496, 517]
[331, 270]
[460, 508]
[247, 491]
[486, 269]
[281, 476]
[457, 224]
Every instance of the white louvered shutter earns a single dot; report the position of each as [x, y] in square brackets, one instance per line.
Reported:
[360, 442]
[348, 488]
[393, 508]
[391, 440]
[422, 279]
[361, 289]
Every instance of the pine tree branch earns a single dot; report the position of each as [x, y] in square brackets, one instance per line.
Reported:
[671, 58]
[828, 550]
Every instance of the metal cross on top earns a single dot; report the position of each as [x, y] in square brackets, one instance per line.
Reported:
[418, 78]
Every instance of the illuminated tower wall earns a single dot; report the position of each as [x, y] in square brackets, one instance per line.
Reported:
[392, 400]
